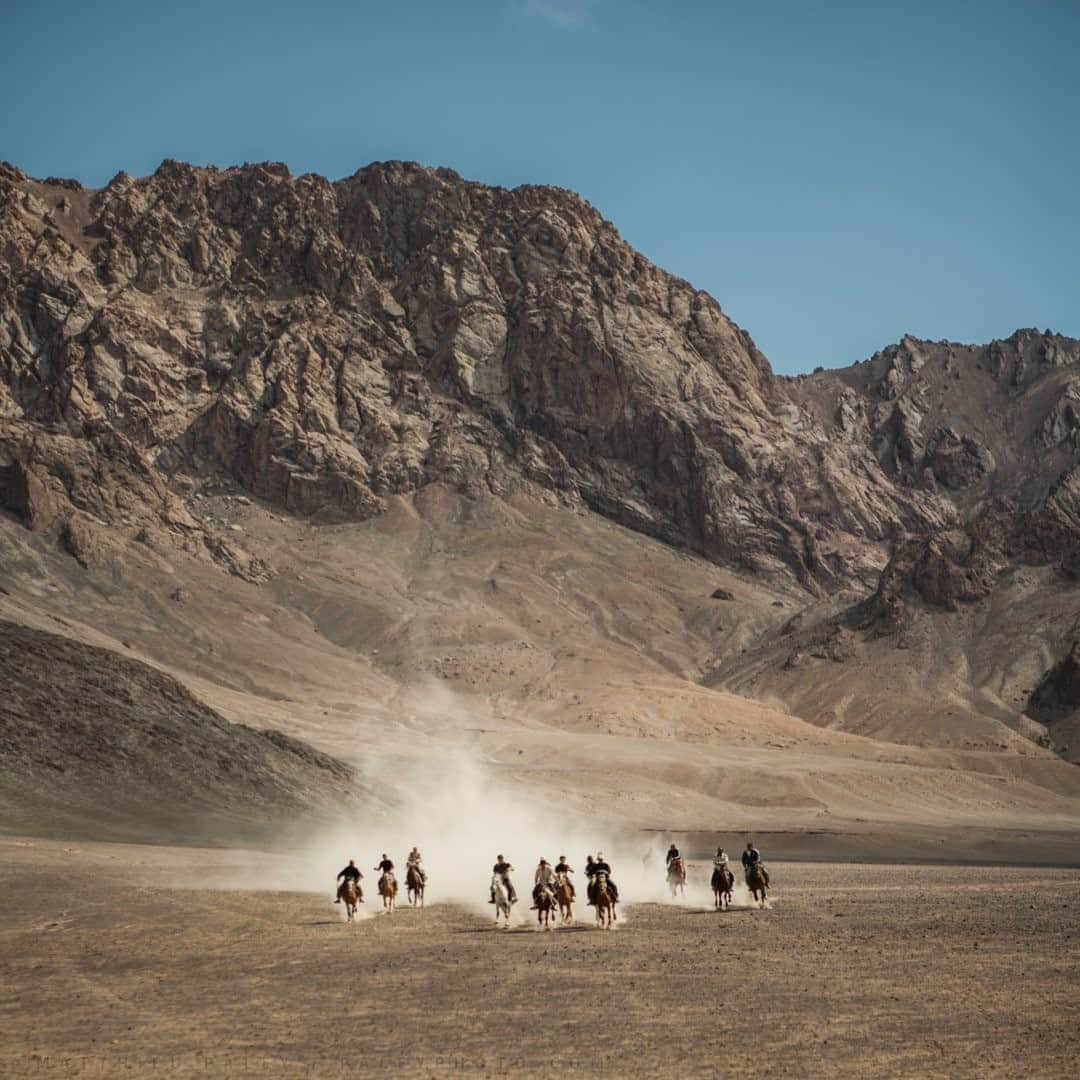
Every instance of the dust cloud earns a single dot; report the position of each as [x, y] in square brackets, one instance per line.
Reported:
[462, 815]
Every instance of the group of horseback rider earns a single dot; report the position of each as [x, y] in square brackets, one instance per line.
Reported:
[385, 866]
[750, 857]
[547, 877]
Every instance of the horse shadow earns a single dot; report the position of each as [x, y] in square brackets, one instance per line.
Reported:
[717, 911]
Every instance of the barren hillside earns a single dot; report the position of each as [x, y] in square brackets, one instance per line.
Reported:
[402, 462]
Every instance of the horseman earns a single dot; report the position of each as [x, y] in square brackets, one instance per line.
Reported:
[386, 866]
[503, 868]
[564, 868]
[672, 855]
[752, 857]
[413, 863]
[350, 873]
[601, 866]
[720, 859]
[544, 878]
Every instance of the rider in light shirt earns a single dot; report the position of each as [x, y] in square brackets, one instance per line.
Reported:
[414, 861]
[544, 878]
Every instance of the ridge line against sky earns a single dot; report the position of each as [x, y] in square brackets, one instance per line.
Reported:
[836, 175]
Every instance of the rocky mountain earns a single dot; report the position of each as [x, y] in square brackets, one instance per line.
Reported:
[323, 349]
[994, 428]
[971, 618]
[329, 345]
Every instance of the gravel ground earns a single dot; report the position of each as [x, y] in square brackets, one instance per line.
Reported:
[108, 969]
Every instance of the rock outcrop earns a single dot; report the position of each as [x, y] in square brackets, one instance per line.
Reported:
[1059, 691]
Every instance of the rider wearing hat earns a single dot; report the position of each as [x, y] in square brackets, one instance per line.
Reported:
[600, 866]
[544, 878]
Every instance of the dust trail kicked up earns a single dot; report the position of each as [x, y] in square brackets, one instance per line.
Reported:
[462, 815]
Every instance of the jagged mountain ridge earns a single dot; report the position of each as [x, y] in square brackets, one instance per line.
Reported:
[329, 345]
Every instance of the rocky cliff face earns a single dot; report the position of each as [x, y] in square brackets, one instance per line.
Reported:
[329, 345]
[994, 429]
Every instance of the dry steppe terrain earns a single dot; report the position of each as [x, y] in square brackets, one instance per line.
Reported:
[342, 516]
[119, 960]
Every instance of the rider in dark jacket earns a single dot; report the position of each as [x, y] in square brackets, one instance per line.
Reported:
[503, 868]
[672, 854]
[752, 857]
[601, 866]
[386, 866]
[563, 867]
[350, 873]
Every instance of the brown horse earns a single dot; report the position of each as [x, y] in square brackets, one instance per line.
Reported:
[415, 885]
[676, 876]
[388, 891]
[351, 897]
[545, 908]
[723, 880]
[605, 905]
[757, 881]
[564, 894]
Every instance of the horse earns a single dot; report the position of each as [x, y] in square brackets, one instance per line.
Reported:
[676, 876]
[722, 882]
[564, 894]
[350, 896]
[388, 890]
[757, 882]
[502, 900]
[415, 885]
[605, 906]
[545, 908]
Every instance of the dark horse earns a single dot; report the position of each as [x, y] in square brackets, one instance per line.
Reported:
[757, 881]
[415, 885]
[545, 908]
[605, 905]
[722, 882]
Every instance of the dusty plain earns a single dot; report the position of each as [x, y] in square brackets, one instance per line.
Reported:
[109, 966]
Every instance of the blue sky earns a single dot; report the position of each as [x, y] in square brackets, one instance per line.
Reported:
[835, 174]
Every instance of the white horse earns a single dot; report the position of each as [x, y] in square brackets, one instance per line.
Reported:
[502, 901]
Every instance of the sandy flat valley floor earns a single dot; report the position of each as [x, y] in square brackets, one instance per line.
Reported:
[107, 966]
